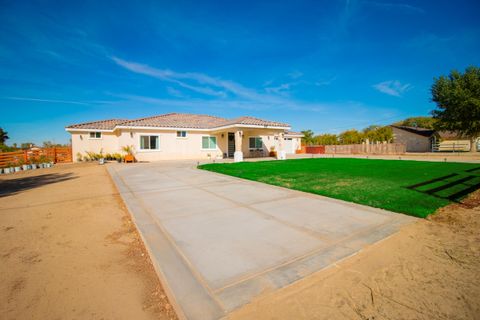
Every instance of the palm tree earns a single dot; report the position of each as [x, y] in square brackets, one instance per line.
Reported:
[3, 136]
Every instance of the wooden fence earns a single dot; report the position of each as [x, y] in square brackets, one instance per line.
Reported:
[56, 154]
[380, 148]
[315, 149]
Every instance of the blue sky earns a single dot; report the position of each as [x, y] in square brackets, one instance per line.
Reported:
[321, 65]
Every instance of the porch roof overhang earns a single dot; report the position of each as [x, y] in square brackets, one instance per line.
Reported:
[290, 135]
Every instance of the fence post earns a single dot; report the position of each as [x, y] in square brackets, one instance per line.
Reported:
[25, 156]
[55, 154]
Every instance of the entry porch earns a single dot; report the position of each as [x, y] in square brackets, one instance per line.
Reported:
[240, 143]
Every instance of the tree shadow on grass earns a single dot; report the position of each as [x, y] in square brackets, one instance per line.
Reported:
[10, 187]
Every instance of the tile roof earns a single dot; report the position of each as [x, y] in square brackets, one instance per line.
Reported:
[98, 125]
[177, 120]
[256, 122]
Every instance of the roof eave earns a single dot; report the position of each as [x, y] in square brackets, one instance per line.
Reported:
[162, 128]
[294, 135]
[203, 129]
[70, 129]
[239, 125]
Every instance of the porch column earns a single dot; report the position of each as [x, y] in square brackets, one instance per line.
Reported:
[238, 155]
[281, 154]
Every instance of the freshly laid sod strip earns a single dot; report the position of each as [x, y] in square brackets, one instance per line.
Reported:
[416, 188]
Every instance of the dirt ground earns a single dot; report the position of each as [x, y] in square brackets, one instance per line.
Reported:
[429, 270]
[68, 250]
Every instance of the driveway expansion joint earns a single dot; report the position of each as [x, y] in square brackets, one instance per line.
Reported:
[217, 241]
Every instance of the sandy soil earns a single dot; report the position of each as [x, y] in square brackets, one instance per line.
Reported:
[68, 250]
[429, 270]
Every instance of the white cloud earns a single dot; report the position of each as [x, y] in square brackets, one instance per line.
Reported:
[295, 74]
[222, 94]
[392, 87]
[170, 76]
[175, 92]
[325, 82]
[395, 6]
[281, 89]
[47, 100]
[199, 82]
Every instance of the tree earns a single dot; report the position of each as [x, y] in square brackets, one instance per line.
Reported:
[378, 133]
[5, 148]
[420, 122]
[26, 145]
[307, 137]
[50, 144]
[350, 137]
[457, 97]
[326, 139]
[3, 136]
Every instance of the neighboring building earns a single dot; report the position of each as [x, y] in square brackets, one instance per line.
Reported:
[449, 141]
[428, 140]
[185, 136]
[415, 139]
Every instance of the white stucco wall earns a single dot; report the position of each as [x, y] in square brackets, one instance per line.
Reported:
[171, 146]
[268, 140]
[82, 143]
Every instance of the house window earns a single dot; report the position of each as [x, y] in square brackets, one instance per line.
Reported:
[95, 135]
[255, 143]
[181, 134]
[149, 143]
[209, 142]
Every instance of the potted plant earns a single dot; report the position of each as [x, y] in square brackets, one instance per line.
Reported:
[17, 167]
[10, 168]
[272, 152]
[7, 169]
[42, 160]
[129, 154]
[79, 157]
[101, 158]
[33, 164]
[118, 157]
[26, 165]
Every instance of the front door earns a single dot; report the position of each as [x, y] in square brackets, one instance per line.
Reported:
[231, 144]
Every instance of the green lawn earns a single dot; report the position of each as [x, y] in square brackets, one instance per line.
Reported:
[416, 188]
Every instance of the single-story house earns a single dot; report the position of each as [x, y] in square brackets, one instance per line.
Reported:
[185, 136]
[427, 140]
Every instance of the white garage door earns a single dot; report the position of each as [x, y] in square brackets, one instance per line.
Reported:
[289, 146]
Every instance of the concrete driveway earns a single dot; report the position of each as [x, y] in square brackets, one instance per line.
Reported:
[217, 241]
